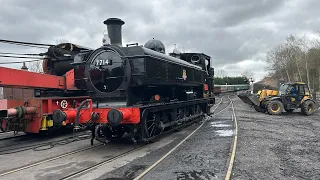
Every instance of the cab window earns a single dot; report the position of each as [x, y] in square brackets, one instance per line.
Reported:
[306, 90]
[301, 89]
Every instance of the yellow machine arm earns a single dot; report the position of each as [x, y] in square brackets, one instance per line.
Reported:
[266, 92]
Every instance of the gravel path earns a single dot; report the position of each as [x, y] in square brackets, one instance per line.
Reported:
[276, 147]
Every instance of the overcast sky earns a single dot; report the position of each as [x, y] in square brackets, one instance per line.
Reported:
[235, 33]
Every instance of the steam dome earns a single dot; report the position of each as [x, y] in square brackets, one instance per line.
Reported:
[155, 45]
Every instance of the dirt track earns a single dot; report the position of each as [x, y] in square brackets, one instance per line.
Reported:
[276, 147]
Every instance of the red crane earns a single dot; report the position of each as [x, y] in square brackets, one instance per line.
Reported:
[40, 114]
[32, 115]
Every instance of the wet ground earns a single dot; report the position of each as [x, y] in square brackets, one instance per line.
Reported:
[276, 147]
[33, 167]
[203, 156]
[269, 147]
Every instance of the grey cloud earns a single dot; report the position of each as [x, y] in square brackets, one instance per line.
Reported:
[237, 12]
[230, 31]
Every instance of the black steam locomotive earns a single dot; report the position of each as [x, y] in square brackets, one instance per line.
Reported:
[167, 90]
[135, 74]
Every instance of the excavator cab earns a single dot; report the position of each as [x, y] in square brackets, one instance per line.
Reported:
[296, 95]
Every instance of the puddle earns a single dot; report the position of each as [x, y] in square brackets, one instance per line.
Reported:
[196, 174]
[216, 122]
[224, 133]
[219, 124]
[135, 168]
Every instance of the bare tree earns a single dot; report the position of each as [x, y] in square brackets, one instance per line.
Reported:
[296, 59]
[291, 48]
[314, 56]
[274, 68]
[221, 73]
[36, 66]
[305, 46]
[248, 74]
[61, 40]
[278, 60]
[316, 59]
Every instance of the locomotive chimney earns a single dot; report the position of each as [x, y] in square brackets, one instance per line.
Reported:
[24, 67]
[114, 30]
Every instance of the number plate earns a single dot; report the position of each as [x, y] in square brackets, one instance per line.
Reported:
[103, 62]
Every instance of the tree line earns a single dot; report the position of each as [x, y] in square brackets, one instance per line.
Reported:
[296, 59]
[221, 77]
[231, 80]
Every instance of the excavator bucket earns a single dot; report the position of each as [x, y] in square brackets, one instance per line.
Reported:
[249, 99]
[255, 99]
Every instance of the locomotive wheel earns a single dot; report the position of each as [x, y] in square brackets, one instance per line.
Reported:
[181, 113]
[275, 107]
[152, 125]
[117, 134]
[2, 123]
[308, 107]
[197, 109]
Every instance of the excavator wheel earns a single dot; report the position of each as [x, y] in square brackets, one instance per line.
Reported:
[259, 109]
[275, 107]
[308, 107]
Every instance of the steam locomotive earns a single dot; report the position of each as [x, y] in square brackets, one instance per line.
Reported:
[115, 91]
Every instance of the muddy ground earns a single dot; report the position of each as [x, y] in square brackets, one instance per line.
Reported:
[276, 147]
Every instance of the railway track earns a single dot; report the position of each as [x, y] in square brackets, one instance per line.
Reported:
[8, 141]
[47, 160]
[1, 132]
[10, 135]
[153, 166]
[46, 146]
[26, 142]
[36, 146]
[233, 144]
[88, 169]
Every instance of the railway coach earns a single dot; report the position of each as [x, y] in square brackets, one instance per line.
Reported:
[218, 89]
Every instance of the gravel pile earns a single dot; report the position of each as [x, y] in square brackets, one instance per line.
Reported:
[276, 147]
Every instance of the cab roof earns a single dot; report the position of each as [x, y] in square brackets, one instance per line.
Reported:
[292, 83]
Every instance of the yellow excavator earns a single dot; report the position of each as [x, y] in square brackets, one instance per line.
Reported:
[290, 96]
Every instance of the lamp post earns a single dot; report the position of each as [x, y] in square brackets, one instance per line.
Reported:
[251, 80]
[24, 67]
